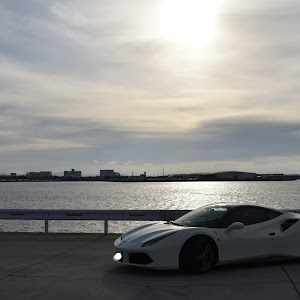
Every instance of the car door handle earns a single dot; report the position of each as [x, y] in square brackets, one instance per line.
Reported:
[272, 233]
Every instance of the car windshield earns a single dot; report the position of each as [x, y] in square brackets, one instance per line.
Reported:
[207, 216]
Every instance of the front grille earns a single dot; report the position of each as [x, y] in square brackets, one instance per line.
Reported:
[140, 258]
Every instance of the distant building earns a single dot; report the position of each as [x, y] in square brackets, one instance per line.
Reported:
[108, 173]
[13, 174]
[72, 174]
[278, 177]
[141, 177]
[39, 175]
[45, 174]
[235, 175]
[33, 175]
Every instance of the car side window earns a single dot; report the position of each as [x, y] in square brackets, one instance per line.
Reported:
[237, 215]
[246, 215]
[271, 214]
[256, 215]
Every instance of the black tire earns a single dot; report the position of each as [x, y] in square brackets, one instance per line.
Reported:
[198, 255]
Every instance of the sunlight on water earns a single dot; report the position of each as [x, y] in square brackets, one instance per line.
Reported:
[147, 195]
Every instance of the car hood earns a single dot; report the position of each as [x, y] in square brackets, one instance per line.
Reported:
[148, 232]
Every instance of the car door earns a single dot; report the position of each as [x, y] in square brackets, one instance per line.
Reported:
[255, 240]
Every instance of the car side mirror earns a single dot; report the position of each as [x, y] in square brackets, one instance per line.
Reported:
[235, 225]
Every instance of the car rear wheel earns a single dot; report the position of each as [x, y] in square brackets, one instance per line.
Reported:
[197, 255]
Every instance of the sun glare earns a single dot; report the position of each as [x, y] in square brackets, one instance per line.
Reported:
[191, 22]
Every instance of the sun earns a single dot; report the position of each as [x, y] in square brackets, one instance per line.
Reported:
[190, 22]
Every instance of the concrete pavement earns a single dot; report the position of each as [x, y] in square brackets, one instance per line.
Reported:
[80, 266]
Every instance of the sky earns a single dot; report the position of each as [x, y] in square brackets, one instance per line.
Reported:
[173, 86]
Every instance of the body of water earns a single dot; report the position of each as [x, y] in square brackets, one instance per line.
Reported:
[135, 195]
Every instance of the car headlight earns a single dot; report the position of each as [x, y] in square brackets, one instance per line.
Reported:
[118, 256]
[155, 240]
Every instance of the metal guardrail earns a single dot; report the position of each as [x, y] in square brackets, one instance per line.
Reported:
[104, 215]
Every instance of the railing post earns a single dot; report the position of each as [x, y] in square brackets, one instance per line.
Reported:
[46, 226]
[105, 227]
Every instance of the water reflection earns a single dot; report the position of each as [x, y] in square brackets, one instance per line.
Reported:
[133, 195]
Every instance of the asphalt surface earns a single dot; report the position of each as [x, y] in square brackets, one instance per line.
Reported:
[80, 266]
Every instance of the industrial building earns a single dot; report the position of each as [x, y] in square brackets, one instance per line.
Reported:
[45, 174]
[72, 174]
[108, 173]
[39, 175]
[235, 175]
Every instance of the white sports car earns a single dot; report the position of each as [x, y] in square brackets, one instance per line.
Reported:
[211, 235]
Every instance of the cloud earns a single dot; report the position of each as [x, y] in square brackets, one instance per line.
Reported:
[82, 80]
[38, 145]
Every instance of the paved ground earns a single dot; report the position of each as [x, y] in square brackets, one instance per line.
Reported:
[80, 266]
